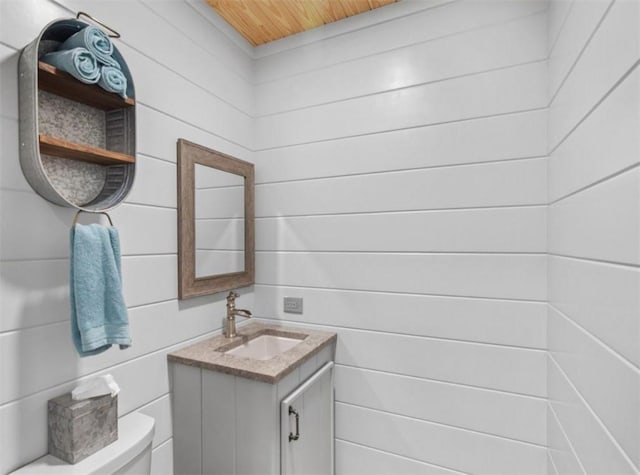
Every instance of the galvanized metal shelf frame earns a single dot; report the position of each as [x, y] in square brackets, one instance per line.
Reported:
[119, 125]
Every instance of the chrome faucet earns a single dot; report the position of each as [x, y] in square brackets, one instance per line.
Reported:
[232, 312]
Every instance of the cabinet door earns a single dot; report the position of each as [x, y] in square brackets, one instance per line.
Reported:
[306, 426]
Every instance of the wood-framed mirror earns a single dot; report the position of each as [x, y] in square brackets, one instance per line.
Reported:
[216, 233]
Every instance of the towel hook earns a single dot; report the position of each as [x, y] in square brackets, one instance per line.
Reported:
[112, 33]
[75, 219]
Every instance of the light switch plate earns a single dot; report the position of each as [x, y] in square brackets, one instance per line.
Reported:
[293, 304]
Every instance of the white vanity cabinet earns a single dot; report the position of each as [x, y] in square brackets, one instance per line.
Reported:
[225, 424]
[306, 426]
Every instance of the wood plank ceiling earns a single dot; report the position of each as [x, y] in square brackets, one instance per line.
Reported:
[262, 21]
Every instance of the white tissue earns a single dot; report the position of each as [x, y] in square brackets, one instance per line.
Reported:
[96, 387]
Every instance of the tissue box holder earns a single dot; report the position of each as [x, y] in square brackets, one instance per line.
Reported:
[78, 429]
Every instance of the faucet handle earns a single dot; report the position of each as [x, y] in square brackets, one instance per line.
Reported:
[232, 296]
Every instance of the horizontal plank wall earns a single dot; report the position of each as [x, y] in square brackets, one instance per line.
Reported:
[401, 191]
[192, 82]
[594, 238]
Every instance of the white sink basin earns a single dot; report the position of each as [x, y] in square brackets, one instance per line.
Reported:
[264, 347]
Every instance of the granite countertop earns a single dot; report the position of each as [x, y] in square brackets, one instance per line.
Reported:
[209, 354]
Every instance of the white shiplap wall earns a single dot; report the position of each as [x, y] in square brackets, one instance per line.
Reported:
[192, 81]
[594, 238]
[401, 170]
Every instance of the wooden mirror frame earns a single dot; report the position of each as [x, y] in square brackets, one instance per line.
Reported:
[190, 154]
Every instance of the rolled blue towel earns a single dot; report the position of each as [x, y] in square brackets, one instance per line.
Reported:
[96, 41]
[78, 62]
[113, 80]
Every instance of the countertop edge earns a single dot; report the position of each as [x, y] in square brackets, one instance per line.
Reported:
[256, 375]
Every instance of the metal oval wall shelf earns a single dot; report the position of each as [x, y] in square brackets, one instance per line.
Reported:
[77, 141]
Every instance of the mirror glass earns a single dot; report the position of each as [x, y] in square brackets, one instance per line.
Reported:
[219, 221]
[215, 221]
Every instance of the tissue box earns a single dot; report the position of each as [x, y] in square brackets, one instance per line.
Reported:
[77, 429]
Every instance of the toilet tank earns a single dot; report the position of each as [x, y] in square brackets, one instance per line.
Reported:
[130, 454]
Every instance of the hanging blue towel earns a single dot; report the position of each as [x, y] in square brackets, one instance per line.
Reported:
[96, 41]
[98, 312]
[113, 80]
[78, 62]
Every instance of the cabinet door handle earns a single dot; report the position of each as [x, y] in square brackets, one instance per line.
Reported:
[297, 434]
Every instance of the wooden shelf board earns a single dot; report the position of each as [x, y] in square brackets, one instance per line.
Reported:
[73, 151]
[58, 82]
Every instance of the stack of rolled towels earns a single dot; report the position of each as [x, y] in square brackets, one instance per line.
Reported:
[87, 56]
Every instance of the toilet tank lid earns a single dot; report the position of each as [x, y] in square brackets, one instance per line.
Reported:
[135, 433]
